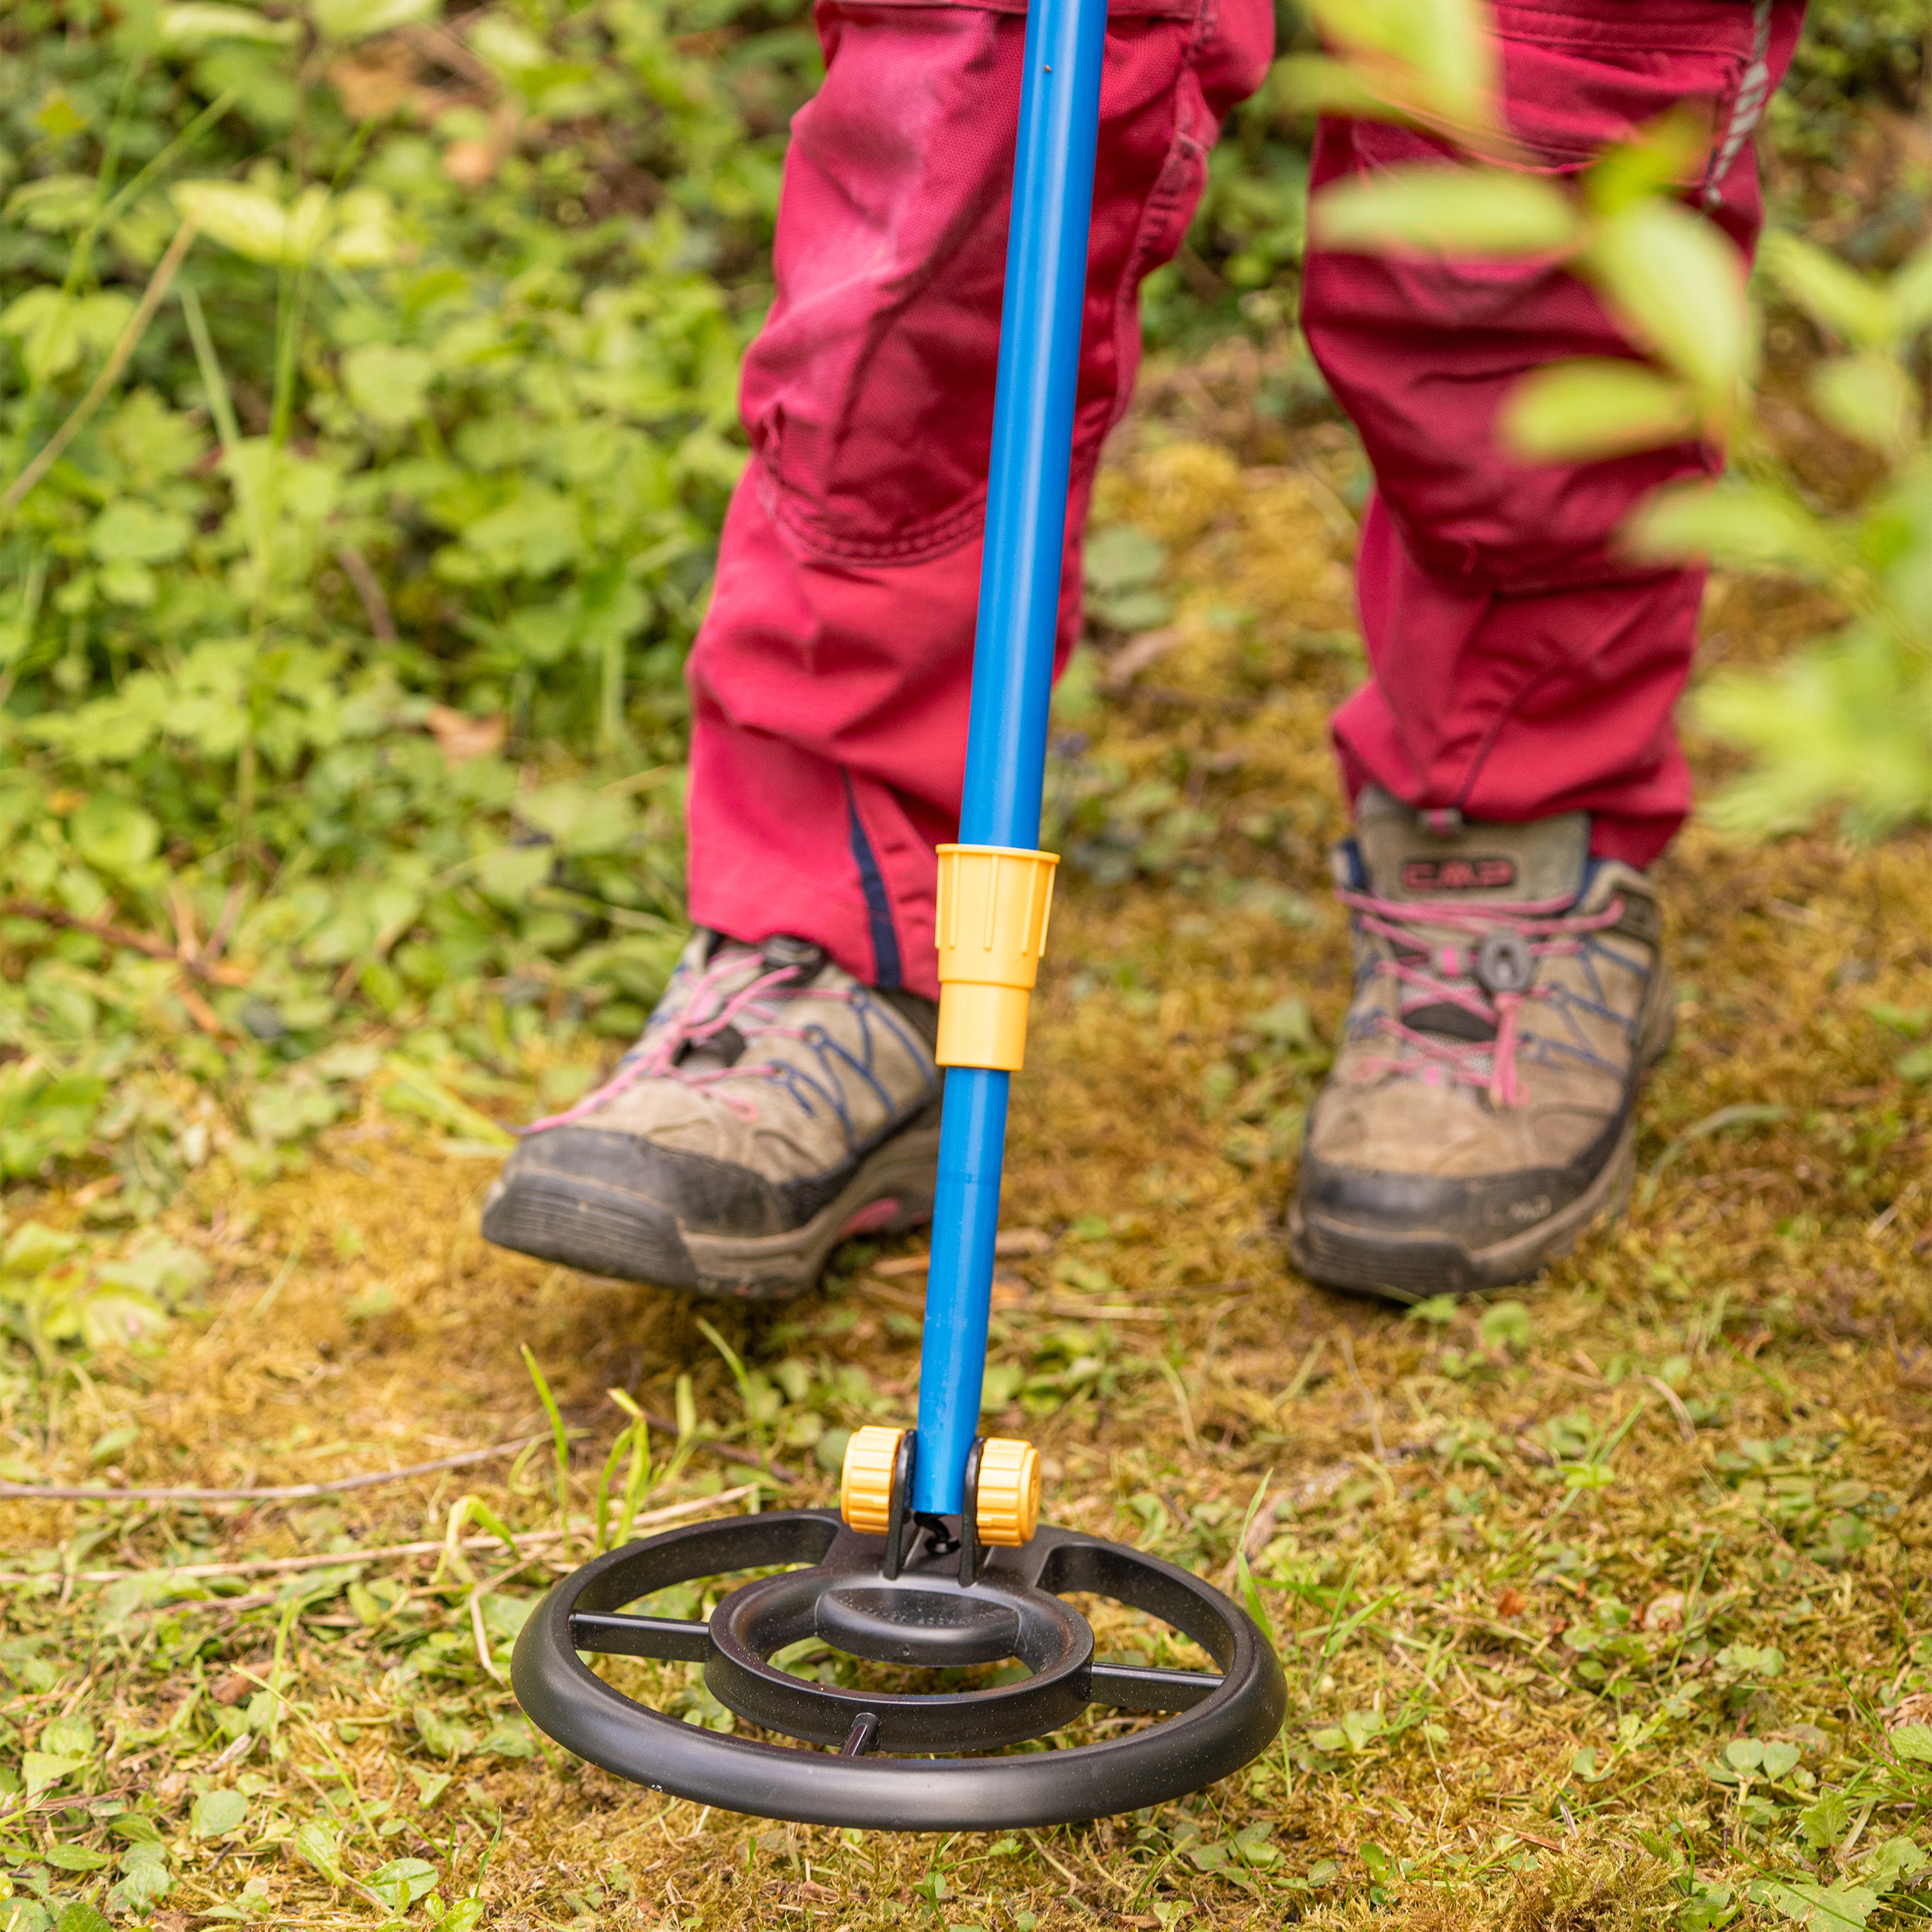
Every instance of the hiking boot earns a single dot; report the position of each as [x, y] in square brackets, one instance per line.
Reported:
[772, 1107]
[1510, 997]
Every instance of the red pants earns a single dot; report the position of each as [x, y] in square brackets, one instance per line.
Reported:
[1520, 666]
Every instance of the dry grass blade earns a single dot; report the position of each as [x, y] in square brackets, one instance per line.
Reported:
[281, 1492]
[278, 1565]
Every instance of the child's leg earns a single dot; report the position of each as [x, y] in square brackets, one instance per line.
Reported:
[779, 1101]
[1522, 665]
[1512, 757]
[830, 680]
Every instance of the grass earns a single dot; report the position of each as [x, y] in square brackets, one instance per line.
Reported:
[1602, 1603]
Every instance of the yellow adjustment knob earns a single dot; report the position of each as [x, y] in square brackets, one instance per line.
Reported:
[865, 1486]
[1008, 1492]
[990, 922]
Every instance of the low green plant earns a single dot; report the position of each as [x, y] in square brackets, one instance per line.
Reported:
[367, 415]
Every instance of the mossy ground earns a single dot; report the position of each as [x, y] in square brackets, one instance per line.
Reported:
[1532, 1565]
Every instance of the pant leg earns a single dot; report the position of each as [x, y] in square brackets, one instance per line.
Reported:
[1520, 664]
[830, 678]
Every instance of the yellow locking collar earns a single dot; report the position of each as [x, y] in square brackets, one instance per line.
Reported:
[991, 928]
[865, 1485]
[1009, 1511]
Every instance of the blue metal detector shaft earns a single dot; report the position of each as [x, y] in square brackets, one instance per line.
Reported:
[1019, 598]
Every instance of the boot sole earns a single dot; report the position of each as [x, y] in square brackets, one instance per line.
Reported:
[584, 1226]
[1406, 1269]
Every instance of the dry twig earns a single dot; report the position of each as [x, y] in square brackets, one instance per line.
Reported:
[109, 934]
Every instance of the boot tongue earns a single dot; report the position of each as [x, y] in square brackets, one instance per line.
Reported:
[742, 965]
[1407, 858]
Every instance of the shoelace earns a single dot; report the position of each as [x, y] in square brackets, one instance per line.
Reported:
[1438, 973]
[706, 1013]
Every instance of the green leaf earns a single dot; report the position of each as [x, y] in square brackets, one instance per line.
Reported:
[1678, 282]
[1251, 1847]
[1825, 1823]
[73, 1736]
[1821, 1908]
[1445, 49]
[80, 1917]
[1505, 1324]
[510, 1737]
[252, 222]
[245, 220]
[358, 19]
[132, 531]
[1588, 1476]
[388, 385]
[1843, 722]
[445, 1739]
[1708, 1907]
[581, 821]
[1669, 154]
[217, 1813]
[508, 48]
[509, 873]
[1123, 557]
[1896, 1858]
[1288, 1022]
[1309, 84]
[402, 1882]
[54, 204]
[76, 1858]
[1743, 526]
[1440, 209]
[114, 835]
[41, 1770]
[316, 1846]
[144, 1876]
[1572, 411]
[199, 22]
[1871, 397]
[410, 1090]
[1838, 298]
[1912, 1742]
[1782, 1760]
[366, 234]
[1911, 292]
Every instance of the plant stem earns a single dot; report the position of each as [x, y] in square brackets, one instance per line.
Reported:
[746, 1394]
[561, 1440]
[31, 592]
[151, 298]
[84, 242]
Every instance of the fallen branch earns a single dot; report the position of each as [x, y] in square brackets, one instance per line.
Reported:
[278, 1565]
[112, 935]
[282, 1492]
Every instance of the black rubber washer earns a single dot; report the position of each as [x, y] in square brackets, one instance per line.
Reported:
[1220, 1721]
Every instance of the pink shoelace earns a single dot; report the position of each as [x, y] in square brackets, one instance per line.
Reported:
[1443, 973]
[706, 1012]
